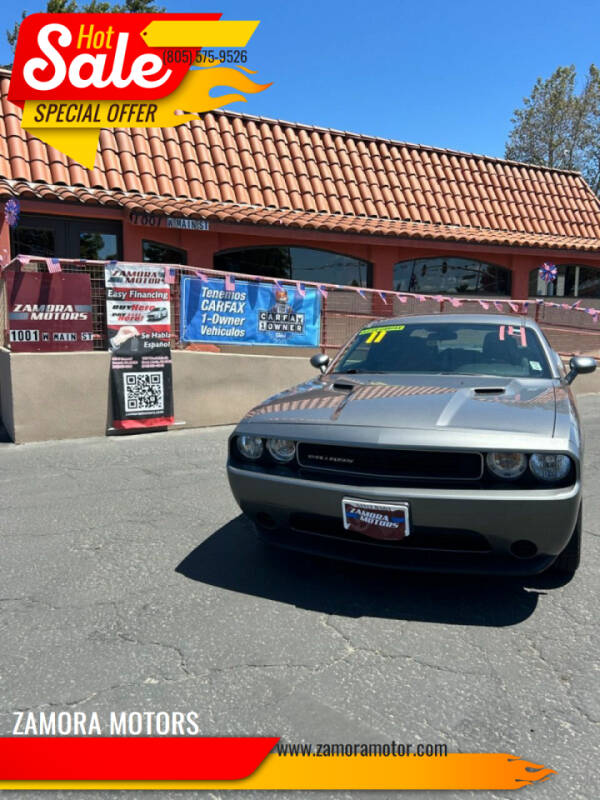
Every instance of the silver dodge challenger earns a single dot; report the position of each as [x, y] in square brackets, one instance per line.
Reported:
[441, 442]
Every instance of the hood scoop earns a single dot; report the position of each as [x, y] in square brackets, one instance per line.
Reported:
[342, 386]
[489, 390]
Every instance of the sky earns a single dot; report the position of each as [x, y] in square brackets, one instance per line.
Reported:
[448, 74]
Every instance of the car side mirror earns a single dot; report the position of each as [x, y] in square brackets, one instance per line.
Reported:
[320, 361]
[579, 366]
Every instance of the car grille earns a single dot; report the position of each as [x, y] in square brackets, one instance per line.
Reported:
[420, 538]
[389, 463]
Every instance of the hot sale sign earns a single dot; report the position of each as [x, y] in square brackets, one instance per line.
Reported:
[92, 57]
[87, 71]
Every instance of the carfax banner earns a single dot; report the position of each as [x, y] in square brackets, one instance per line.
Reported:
[249, 313]
[48, 312]
[138, 319]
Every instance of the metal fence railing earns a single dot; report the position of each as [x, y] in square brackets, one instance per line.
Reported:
[571, 326]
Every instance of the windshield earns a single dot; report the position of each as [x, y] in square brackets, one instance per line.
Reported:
[450, 347]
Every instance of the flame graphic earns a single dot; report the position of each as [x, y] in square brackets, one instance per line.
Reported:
[193, 96]
[538, 773]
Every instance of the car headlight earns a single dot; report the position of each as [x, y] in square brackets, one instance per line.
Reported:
[250, 447]
[281, 449]
[549, 467]
[509, 466]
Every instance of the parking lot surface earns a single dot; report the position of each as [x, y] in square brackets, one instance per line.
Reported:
[129, 581]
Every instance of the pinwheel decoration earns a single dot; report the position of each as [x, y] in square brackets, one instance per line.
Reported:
[548, 272]
[11, 212]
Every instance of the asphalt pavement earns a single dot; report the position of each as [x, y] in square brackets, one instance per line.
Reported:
[129, 581]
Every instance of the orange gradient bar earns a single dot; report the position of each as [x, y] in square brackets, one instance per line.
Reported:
[456, 771]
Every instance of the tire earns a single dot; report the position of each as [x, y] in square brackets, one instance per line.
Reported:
[568, 561]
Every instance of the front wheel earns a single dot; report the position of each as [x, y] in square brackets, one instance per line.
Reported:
[568, 561]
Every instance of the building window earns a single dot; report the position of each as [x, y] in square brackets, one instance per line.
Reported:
[572, 281]
[63, 237]
[159, 253]
[296, 263]
[96, 246]
[451, 276]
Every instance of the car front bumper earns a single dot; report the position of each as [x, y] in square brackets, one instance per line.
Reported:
[307, 515]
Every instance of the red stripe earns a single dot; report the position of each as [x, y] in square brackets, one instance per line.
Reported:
[128, 759]
[155, 422]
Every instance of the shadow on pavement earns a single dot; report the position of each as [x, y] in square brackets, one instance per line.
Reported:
[235, 558]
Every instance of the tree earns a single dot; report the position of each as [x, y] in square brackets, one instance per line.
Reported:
[91, 7]
[560, 127]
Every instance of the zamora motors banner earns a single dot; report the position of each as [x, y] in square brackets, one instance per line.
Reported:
[248, 763]
[48, 313]
[138, 319]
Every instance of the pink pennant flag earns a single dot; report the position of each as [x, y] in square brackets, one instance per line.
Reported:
[169, 275]
[53, 265]
[455, 302]
[421, 298]
[322, 291]
[382, 296]
[483, 304]
[301, 289]
[199, 274]
[514, 307]
[229, 283]
[497, 305]
[566, 306]
[440, 298]
[23, 259]
[402, 298]
[576, 303]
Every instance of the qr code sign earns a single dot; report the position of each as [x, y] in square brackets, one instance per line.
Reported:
[144, 391]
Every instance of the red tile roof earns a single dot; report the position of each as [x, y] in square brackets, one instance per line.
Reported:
[238, 168]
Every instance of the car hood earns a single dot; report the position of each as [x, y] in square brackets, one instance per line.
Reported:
[416, 401]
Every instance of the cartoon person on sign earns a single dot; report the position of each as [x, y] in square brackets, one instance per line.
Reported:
[282, 305]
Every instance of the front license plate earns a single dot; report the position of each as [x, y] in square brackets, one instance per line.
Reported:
[377, 520]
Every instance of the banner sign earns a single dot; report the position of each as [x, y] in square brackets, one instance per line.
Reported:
[75, 73]
[250, 313]
[138, 318]
[48, 313]
[250, 764]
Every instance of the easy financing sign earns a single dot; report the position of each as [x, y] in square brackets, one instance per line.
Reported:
[250, 313]
[138, 319]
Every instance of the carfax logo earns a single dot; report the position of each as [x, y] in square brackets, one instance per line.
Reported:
[281, 317]
[76, 73]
